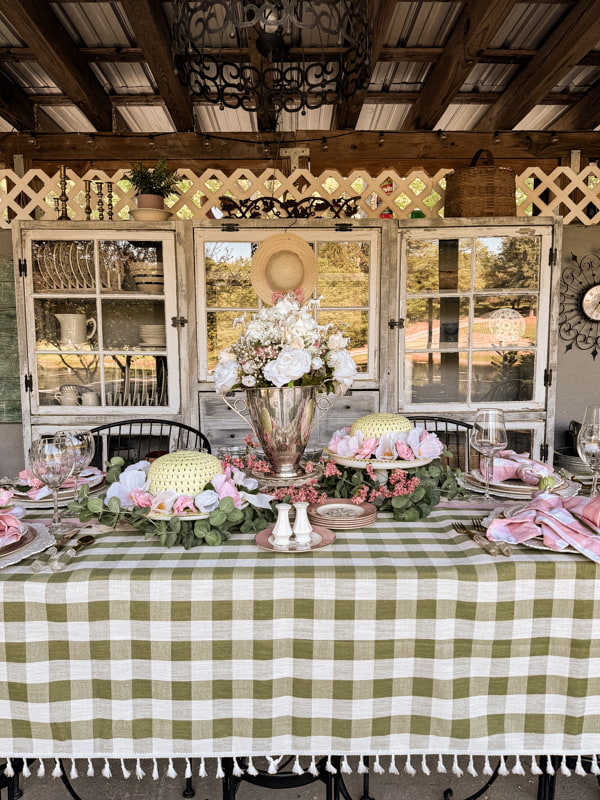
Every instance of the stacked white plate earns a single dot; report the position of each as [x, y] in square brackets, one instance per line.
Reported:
[153, 335]
[342, 514]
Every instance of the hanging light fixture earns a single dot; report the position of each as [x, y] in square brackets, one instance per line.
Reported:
[283, 55]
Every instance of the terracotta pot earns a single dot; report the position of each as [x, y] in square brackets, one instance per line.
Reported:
[150, 201]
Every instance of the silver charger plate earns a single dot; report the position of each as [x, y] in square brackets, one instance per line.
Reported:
[569, 490]
[36, 538]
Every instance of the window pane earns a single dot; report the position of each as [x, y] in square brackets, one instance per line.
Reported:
[227, 266]
[63, 266]
[505, 321]
[439, 265]
[139, 323]
[503, 375]
[136, 380]
[65, 324]
[343, 273]
[507, 262]
[354, 325]
[131, 266]
[437, 323]
[220, 333]
[432, 377]
[73, 370]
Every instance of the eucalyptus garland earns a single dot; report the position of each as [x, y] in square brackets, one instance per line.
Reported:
[408, 494]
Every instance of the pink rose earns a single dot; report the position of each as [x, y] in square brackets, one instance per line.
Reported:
[5, 498]
[183, 503]
[27, 477]
[10, 529]
[430, 446]
[404, 452]
[141, 498]
[224, 487]
[367, 447]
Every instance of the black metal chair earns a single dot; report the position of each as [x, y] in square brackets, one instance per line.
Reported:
[138, 439]
[453, 433]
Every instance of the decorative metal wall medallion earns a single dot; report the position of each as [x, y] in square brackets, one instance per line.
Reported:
[579, 313]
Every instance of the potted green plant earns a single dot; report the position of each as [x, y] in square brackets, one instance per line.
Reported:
[153, 184]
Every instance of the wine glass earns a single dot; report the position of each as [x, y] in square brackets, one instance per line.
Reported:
[52, 464]
[488, 436]
[588, 444]
[81, 442]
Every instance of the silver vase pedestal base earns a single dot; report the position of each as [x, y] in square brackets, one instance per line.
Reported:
[267, 480]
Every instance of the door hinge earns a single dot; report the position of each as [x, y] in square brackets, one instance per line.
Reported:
[396, 323]
[547, 377]
[22, 267]
[230, 227]
[178, 322]
[544, 451]
[343, 227]
[29, 382]
[552, 257]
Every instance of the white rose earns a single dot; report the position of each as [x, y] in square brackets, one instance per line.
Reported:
[344, 368]
[316, 363]
[288, 366]
[336, 341]
[226, 375]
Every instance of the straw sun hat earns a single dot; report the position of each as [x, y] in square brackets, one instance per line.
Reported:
[283, 263]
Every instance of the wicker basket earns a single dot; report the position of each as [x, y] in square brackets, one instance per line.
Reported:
[481, 191]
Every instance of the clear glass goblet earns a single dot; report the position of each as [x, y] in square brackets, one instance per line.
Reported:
[52, 464]
[588, 444]
[81, 442]
[488, 436]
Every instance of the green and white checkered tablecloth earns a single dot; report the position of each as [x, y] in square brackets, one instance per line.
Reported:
[397, 639]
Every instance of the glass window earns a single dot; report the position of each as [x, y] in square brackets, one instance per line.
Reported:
[344, 280]
[471, 318]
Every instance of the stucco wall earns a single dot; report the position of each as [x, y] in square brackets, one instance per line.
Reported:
[578, 378]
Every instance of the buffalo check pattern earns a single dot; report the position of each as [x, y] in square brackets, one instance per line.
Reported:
[399, 639]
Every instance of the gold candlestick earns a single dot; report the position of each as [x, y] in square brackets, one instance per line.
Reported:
[63, 198]
[109, 199]
[100, 203]
[88, 199]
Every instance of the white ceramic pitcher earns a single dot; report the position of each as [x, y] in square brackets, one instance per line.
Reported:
[75, 329]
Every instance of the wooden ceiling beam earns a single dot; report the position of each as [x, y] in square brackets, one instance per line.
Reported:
[378, 98]
[151, 33]
[577, 33]
[39, 26]
[583, 115]
[387, 54]
[15, 106]
[359, 146]
[346, 114]
[475, 28]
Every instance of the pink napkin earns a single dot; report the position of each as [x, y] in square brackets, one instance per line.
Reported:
[10, 529]
[509, 465]
[557, 520]
[38, 490]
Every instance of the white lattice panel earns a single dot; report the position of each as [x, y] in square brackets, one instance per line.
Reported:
[574, 196]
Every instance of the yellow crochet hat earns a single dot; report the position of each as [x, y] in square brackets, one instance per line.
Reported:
[185, 471]
[380, 423]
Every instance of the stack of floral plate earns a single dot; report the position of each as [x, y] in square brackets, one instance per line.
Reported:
[339, 514]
